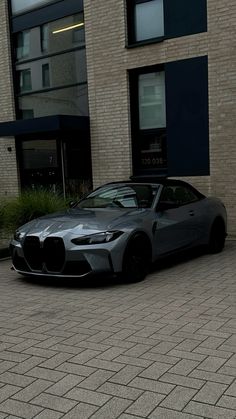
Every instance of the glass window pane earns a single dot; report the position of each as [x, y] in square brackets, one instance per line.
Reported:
[25, 80]
[149, 20]
[59, 35]
[69, 101]
[20, 6]
[65, 69]
[23, 45]
[152, 107]
[45, 75]
[44, 32]
[38, 154]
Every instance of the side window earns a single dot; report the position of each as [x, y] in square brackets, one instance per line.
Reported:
[178, 195]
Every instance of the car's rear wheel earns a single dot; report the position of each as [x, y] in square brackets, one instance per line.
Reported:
[136, 259]
[217, 237]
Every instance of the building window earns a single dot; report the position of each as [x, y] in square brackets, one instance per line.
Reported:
[148, 115]
[44, 37]
[56, 62]
[145, 20]
[148, 19]
[45, 75]
[23, 45]
[25, 83]
[152, 108]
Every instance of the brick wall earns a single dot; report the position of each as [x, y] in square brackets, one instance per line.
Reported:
[8, 167]
[108, 61]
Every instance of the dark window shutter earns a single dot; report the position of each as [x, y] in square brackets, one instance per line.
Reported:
[187, 117]
[185, 17]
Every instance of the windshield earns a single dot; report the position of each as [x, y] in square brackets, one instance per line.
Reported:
[122, 196]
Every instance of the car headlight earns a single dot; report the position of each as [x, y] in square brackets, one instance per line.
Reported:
[18, 235]
[97, 238]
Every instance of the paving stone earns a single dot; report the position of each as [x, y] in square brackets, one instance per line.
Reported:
[49, 414]
[211, 363]
[228, 402]
[151, 385]
[87, 396]
[144, 405]
[96, 379]
[120, 391]
[186, 355]
[211, 376]
[209, 411]
[105, 365]
[112, 409]
[178, 398]
[19, 409]
[7, 391]
[28, 393]
[210, 393]
[184, 367]
[163, 413]
[50, 401]
[27, 365]
[69, 367]
[182, 380]
[81, 411]
[45, 374]
[156, 370]
[231, 391]
[125, 375]
[64, 385]
[15, 379]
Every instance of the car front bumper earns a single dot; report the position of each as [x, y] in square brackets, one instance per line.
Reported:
[73, 261]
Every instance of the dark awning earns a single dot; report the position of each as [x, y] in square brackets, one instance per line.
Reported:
[56, 123]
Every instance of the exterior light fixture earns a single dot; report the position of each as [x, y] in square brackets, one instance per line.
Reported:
[68, 28]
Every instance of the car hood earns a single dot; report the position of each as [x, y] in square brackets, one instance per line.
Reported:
[86, 221]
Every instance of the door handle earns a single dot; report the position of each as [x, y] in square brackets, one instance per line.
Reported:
[191, 213]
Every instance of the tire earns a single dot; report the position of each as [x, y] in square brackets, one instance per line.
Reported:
[136, 259]
[217, 237]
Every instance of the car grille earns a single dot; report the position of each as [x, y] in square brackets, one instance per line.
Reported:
[33, 253]
[54, 254]
[50, 257]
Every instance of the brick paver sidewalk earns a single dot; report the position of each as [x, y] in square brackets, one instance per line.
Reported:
[164, 348]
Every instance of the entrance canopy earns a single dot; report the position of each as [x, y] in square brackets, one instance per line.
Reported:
[56, 123]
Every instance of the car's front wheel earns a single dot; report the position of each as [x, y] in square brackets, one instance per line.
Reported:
[217, 237]
[137, 259]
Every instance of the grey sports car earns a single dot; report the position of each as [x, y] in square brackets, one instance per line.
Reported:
[120, 228]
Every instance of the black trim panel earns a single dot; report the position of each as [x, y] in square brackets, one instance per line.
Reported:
[184, 17]
[46, 14]
[187, 117]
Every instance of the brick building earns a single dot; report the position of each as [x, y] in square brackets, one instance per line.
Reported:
[104, 89]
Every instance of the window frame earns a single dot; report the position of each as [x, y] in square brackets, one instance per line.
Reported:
[131, 41]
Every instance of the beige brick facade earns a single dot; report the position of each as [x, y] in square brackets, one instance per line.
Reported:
[8, 167]
[108, 61]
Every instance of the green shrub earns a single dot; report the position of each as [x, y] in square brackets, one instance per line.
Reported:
[29, 205]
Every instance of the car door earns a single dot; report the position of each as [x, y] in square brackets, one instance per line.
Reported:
[175, 219]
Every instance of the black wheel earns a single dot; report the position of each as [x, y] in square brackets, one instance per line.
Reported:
[137, 259]
[217, 237]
